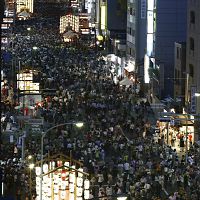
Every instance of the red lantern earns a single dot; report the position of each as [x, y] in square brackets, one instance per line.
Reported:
[63, 174]
[59, 163]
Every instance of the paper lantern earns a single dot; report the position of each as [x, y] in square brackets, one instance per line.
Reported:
[49, 192]
[86, 184]
[37, 180]
[63, 185]
[45, 168]
[86, 194]
[63, 174]
[56, 179]
[71, 187]
[71, 196]
[52, 165]
[59, 163]
[79, 181]
[56, 189]
[72, 178]
[63, 194]
[56, 197]
[38, 171]
[79, 191]
[66, 164]
[79, 173]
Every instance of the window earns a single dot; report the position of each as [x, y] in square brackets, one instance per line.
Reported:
[129, 30]
[191, 70]
[192, 17]
[130, 51]
[191, 44]
[131, 11]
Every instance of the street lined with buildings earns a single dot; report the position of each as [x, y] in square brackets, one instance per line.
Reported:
[80, 109]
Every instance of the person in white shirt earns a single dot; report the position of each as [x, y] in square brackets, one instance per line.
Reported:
[109, 190]
[126, 166]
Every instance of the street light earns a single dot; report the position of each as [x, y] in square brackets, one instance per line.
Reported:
[77, 124]
[35, 48]
[122, 198]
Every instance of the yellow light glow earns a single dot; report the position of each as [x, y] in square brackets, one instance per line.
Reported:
[31, 166]
[99, 37]
[79, 124]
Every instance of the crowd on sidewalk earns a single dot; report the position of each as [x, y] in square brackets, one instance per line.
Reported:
[117, 147]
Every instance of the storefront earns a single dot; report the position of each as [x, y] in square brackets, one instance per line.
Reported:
[175, 129]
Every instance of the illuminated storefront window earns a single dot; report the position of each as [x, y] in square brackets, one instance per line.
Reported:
[25, 82]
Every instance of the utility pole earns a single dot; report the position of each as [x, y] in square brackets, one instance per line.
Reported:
[2, 6]
[187, 111]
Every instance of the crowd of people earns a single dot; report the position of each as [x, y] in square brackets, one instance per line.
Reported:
[116, 145]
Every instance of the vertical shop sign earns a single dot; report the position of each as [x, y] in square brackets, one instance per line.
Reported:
[143, 9]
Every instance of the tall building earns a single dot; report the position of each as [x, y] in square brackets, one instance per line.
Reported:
[193, 54]
[179, 71]
[166, 24]
[111, 20]
[136, 33]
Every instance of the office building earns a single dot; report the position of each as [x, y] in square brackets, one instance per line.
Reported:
[166, 24]
[136, 34]
[193, 54]
[179, 71]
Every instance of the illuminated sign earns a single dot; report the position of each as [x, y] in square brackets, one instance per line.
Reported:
[146, 69]
[103, 17]
[149, 44]
[150, 27]
[7, 20]
[150, 4]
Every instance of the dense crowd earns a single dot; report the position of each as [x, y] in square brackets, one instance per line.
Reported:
[116, 146]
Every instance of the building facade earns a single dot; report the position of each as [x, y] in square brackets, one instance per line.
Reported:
[179, 70]
[166, 24]
[171, 26]
[136, 33]
[193, 54]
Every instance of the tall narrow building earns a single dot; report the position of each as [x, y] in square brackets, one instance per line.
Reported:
[136, 33]
[166, 24]
[193, 55]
